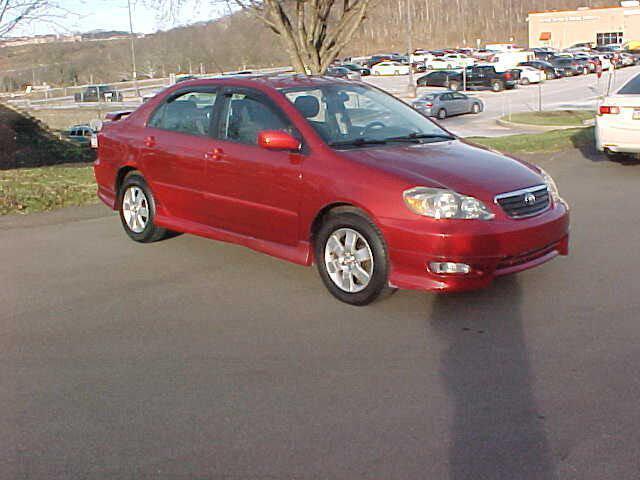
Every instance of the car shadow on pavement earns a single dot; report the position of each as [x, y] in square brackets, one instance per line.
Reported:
[585, 142]
[497, 432]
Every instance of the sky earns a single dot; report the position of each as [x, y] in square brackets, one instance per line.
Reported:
[91, 15]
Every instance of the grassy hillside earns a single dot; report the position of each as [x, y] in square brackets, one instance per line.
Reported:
[25, 142]
[238, 41]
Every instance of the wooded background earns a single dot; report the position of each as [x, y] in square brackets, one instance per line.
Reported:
[239, 41]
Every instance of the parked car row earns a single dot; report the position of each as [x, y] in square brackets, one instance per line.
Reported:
[527, 66]
[476, 76]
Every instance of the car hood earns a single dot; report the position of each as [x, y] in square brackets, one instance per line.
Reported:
[455, 165]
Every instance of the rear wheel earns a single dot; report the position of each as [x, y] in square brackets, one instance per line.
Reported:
[351, 257]
[525, 81]
[442, 114]
[497, 86]
[138, 209]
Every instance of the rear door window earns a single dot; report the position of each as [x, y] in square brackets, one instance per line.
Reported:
[190, 112]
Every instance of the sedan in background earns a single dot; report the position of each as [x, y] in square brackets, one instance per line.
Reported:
[80, 134]
[342, 72]
[546, 67]
[442, 63]
[441, 78]
[567, 67]
[447, 103]
[618, 120]
[390, 68]
[530, 75]
[354, 67]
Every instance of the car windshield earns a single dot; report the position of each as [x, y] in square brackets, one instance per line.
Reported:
[354, 115]
[632, 87]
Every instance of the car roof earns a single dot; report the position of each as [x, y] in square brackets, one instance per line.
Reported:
[270, 81]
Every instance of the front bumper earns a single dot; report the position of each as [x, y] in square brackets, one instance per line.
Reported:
[492, 248]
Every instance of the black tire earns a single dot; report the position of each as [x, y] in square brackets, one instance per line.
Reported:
[454, 85]
[150, 233]
[476, 108]
[497, 86]
[525, 81]
[353, 219]
[442, 114]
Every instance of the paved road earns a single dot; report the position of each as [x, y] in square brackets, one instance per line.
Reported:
[572, 93]
[195, 359]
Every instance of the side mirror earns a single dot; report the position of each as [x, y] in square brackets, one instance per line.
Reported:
[278, 140]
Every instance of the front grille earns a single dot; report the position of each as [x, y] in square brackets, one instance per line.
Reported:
[524, 203]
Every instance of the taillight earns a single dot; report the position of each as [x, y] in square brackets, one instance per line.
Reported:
[428, 104]
[507, 76]
[609, 110]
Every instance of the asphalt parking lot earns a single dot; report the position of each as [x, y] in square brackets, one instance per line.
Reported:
[580, 92]
[195, 359]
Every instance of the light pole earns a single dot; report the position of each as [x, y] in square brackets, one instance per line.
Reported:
[412, 86]
[133, 51]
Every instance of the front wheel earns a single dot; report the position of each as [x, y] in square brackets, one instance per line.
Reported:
[475, 108]
[138, 210]
[351, 257]
[497, 86]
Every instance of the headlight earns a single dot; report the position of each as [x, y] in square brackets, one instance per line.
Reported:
[439, 203]
[551, 186]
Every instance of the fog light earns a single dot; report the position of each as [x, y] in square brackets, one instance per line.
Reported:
[449, 268]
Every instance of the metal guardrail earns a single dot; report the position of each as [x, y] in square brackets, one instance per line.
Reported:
[36, 97]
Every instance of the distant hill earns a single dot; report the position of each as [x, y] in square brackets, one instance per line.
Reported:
[102, 34]
[239, 41]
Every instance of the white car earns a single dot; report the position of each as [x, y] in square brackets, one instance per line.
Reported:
[460, 59]
[618, 120]
[604, 61]
[531, 75]
[441, 63]
[390, 68]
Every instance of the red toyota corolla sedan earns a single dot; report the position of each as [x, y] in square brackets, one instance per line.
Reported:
[332, 172]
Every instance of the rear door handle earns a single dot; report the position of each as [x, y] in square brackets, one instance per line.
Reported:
[150, 141]
[215, 154]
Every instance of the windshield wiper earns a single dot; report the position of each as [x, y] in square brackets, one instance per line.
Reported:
[417, 137]
[357, 142]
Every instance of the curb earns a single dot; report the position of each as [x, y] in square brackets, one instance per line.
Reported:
[543, 128]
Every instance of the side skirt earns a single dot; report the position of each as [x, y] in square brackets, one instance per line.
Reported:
[300, 253]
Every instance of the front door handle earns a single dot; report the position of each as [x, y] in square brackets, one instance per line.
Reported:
[215, 154]
[150, 141]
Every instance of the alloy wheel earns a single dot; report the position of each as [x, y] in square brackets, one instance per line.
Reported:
[135, 209]
[349, 260]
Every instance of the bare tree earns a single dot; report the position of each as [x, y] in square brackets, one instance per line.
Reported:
[314, 32]
[22, 12]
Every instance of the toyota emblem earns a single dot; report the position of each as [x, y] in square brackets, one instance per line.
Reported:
[529, 199]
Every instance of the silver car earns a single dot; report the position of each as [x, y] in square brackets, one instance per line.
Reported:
[447, 103]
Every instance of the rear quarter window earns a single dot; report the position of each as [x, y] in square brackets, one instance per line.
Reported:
[631, 88]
